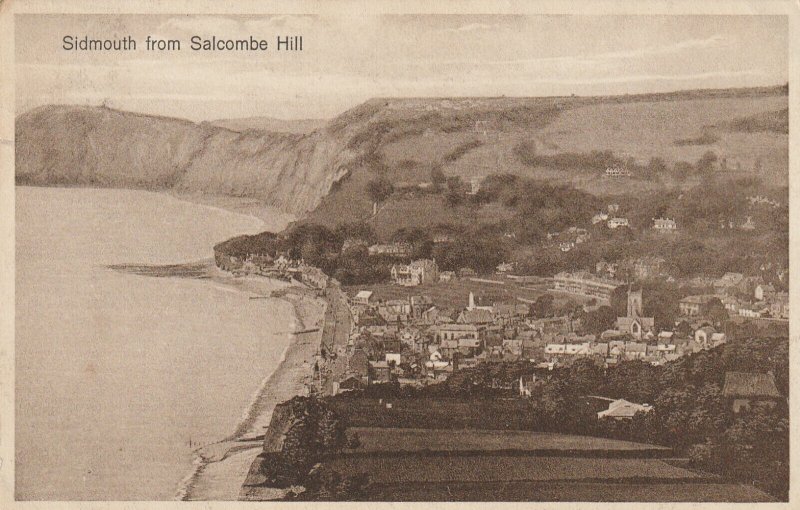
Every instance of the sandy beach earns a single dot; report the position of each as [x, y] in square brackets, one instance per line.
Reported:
[221, 468]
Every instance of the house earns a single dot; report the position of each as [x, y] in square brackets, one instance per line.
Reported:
[694, 305]
[585, 284]
[418, 272]
[393, 358]
[621, 409]
[555, 349]
[616, 171]
[646, 268]
[744, 388]
[396, 250]
[419, 304]
[477, 316]
[779, 305]
[526, 383]
[751, 311]
[505, 267]
[456, 331]
[599, 217]
[763, 291]
[380, 372]
[474, 186]
[363, 298]
[664, 225]
[703, 336]
[718, 338]
[749, 224]
[466, 272]
[447, 276]
[395, 310]
[617, 222]
[730, 282]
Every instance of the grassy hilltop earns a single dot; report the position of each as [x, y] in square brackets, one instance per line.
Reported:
[562, 140]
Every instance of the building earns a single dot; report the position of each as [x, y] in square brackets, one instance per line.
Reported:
[744, 388]
[477, 316]
[380, 372]
[447, 276]
[585, 284]
[644, 268]
[363, 298]
[418, 272]
[779, 305]
[694, 305]
[526, 384]
[664, 225]
[456, 331]
[616, 171]
[623, 410]
[730, 282]
[617, 222]
[398, 250]
[633, 323]
[763, 291]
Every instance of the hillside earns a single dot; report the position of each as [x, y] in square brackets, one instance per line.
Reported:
[564, 140]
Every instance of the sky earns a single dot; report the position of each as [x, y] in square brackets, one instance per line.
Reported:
[346, 61]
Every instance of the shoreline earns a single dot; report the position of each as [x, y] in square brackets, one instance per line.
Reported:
[220, 468]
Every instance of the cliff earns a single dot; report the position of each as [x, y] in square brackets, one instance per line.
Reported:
[101, 147]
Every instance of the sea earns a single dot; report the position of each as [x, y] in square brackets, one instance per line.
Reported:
[119, 377]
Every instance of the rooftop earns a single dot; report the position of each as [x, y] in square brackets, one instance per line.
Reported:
[749, 385]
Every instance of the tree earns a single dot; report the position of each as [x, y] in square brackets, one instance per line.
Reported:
[380, 189]
[706, 162]
[715, 310]
[437, 177]
[599, 320]
[543, 306]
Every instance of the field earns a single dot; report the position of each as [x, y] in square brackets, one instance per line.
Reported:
[437, 440]
[455, 294]
[571, 491]
[498, 468]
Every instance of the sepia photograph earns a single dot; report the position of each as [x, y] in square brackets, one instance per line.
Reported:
[400, 256]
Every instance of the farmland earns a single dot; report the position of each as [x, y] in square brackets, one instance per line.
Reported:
[497, 468]
[567, 491]
[437, 440]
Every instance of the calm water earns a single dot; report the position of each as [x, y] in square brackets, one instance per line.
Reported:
[116, 373]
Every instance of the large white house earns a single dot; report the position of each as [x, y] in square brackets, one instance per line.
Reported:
[418, 272]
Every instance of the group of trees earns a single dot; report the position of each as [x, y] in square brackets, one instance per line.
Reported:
[315, 432]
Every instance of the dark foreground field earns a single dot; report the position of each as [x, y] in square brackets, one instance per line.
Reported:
[649, 491]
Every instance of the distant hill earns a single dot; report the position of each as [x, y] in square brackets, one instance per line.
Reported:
[270, 124]
[326, 172]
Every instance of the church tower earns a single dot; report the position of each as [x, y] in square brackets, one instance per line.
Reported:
[634, 303]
